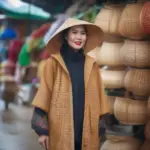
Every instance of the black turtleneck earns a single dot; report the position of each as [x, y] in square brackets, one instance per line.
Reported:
[75, 64]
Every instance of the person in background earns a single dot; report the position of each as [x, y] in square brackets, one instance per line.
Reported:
[70, 100]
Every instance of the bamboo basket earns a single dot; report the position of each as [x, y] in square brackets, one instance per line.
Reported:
[130, 112]
[129, 25]
[108, 19]
[109, 54]
[137, 81]
[113, 79]
[136, 53]
[131, 144]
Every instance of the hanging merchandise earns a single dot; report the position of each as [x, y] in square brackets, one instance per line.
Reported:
[8, 33]
[14, 49]
[137, 81]
[135, 53]
[24, 56]
[108, 19]
[129, 25]
[33, 43]
[109, 54]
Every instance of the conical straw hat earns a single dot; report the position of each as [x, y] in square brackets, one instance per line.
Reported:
[94, 35]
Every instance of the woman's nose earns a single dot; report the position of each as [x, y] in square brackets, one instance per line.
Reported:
[79, 36]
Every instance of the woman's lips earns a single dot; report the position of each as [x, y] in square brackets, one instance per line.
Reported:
[78, 43]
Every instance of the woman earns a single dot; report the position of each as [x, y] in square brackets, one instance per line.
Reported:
[71, 91]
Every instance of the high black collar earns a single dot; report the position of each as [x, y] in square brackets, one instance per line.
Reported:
[71, 55]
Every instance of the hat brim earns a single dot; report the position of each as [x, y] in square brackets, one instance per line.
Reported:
[94, 36]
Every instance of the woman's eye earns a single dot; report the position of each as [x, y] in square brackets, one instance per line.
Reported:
[83, 33]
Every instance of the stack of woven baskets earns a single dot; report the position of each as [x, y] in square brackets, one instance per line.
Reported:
[126, 53]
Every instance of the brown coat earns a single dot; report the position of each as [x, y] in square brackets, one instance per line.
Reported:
[55, 97]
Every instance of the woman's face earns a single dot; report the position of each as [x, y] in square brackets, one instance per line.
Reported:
[76, 37]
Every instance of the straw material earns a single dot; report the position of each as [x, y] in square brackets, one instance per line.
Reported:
[94, 53]
[132, 144]
[136, 53]
[113, 79]
[109, 54]
[137, 81]
[130, 112]
[145, 18]
[129, 25]
[94, 36]
[108, 19]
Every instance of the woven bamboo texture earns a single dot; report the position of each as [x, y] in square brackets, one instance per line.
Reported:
[135, 53]
[130, 112]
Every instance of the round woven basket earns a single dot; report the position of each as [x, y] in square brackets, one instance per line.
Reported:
[109, 54]
[135, 53]
[145, 18]
[137, 81]
[113, 79]
[129, 25]
[108, 19]
[132, 144]
[146, 145]
[94, 53]
[130, 112]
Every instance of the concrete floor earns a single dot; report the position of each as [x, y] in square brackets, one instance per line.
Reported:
[15, 130]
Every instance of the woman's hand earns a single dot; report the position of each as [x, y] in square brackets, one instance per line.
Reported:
[44, 141]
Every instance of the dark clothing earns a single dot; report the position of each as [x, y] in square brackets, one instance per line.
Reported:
[40, 122]
[75, 65]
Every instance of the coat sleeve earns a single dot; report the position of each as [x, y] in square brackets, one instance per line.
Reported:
[43, 95]
[104, 106]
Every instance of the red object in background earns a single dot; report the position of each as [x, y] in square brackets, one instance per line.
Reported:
[145, 18]
[41, 31]
[14, 49]
[44, 55]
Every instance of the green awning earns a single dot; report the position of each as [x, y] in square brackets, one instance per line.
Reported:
[21, 10]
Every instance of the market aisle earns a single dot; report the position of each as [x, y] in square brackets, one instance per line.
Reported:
[15, 130]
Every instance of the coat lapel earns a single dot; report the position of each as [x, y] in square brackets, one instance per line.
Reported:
[88, 68]
[59, 58]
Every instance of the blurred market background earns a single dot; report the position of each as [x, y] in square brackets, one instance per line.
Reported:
[123, 57]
